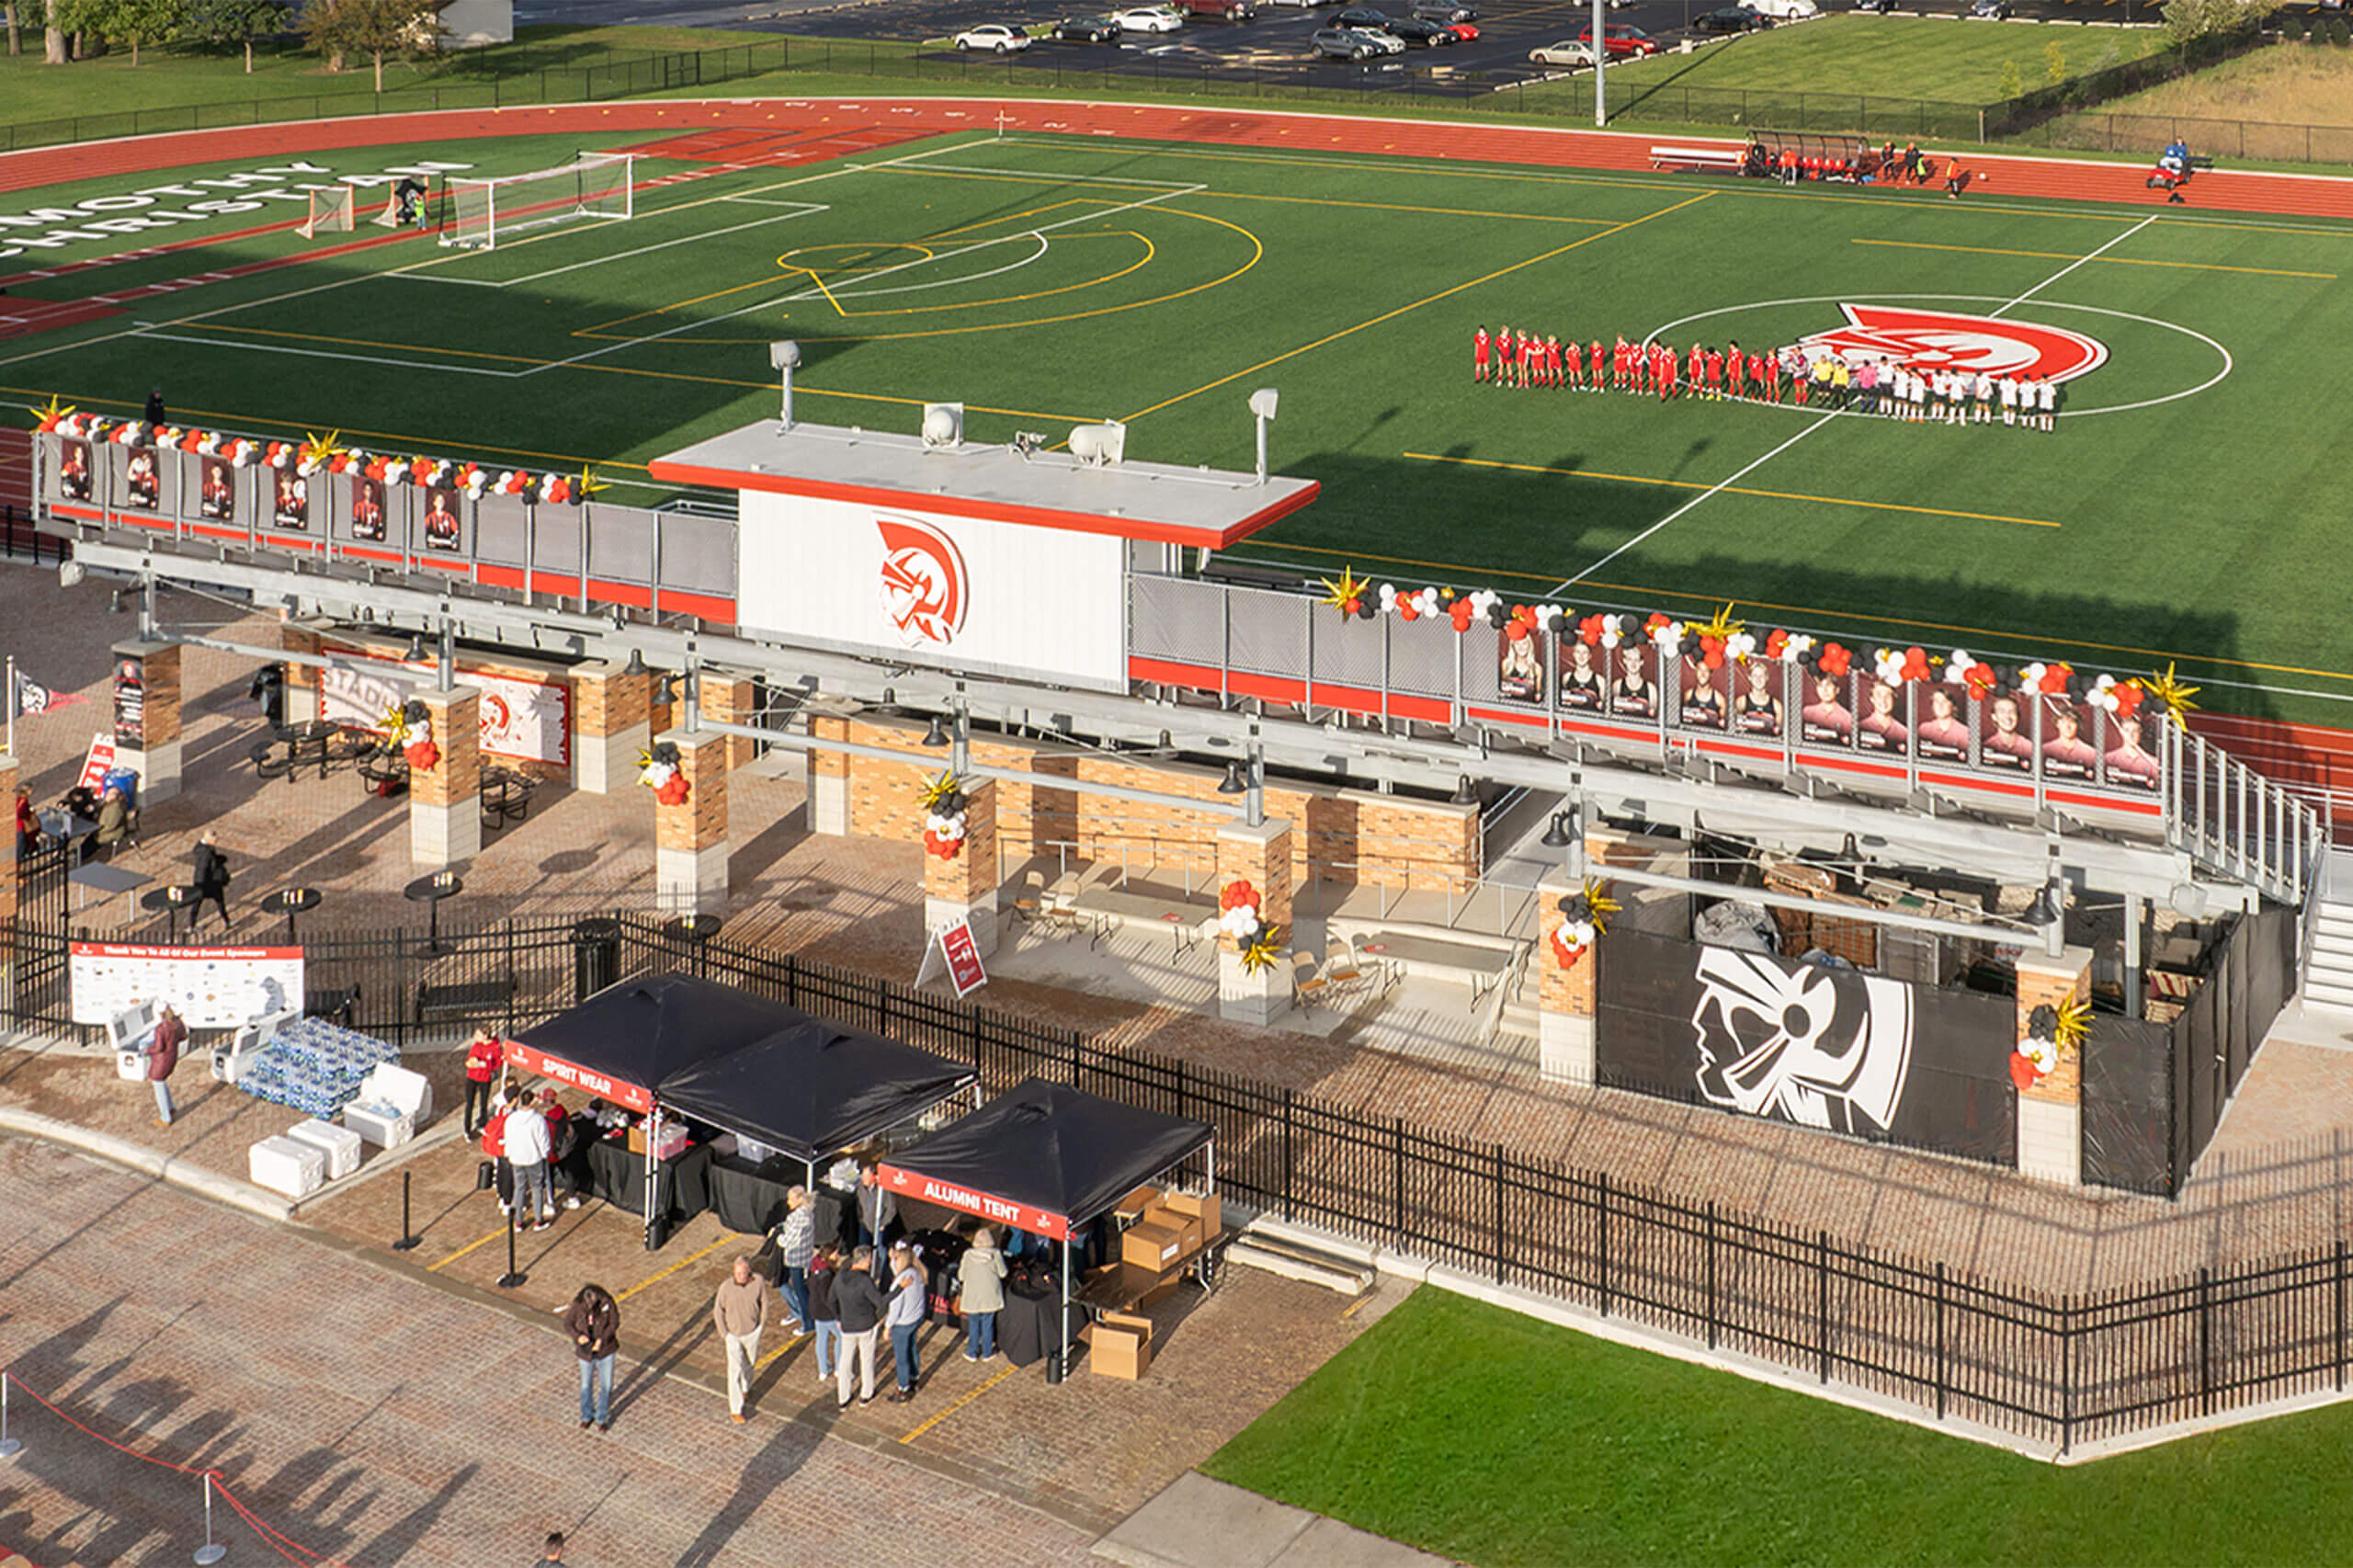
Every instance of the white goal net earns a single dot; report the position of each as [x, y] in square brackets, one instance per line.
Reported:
[331, 212]
[482, 211]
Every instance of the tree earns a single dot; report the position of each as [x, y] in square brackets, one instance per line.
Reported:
[373, 27]
[223, 23]
[2013, 88]
[52, 37]
[15, 31]
[2054, 61]
[134, 22]
[2189, 20]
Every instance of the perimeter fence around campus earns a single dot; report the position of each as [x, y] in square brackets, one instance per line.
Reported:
[2049, 1368]
[2051, 117]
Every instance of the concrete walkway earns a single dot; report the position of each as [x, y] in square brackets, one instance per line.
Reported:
[1202, 1523]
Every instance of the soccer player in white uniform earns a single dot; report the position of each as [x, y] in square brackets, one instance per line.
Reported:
[1919, 396]
[2009, 400]
[2046, 396]
[1984, 397]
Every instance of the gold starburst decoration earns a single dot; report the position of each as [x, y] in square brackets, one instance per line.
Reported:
[2171, 692]
[937, 787]
[1263, 952]
[589, 483]
[320, 451]
[2075, 1022]
[1337, 593]
[1599, 907]
[55, 411]
[396, 723]
[1721, 625]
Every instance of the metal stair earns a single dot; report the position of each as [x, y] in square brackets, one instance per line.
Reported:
[2328, 948]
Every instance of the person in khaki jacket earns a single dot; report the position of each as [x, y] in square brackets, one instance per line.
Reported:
[980, 1294]
[739, 1311]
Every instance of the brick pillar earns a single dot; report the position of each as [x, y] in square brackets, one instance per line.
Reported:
[1261, 857]
[1565, 997]
[691, 840]
[731, 700]
[610, 726]
[2051, 1115]
[829, 777]
[302, 680]
[445, 803]
[964, 886]
[155, 756]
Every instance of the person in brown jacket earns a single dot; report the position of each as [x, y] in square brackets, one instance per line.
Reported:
[164, 1055]
[594, 1321]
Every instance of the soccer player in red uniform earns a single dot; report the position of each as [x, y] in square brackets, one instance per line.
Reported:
[1732, 363]
[1621, 367]
[1593, 361]
[1772, 378]
[1696, 372]
[1574, 363]
[1530, 346]
[1667, 367]
[1716, 374]
[1552, 361]
[1479, 354]
[1503, 356]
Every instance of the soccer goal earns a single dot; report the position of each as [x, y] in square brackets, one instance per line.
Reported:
[331, 212]
[482, 211]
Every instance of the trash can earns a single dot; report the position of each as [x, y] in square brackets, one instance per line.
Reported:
[596, 955]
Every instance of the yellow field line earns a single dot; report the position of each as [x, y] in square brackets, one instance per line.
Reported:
[959, 1404]
[436, 1267]
[762, 1363]
[1734, 489]
[1966, 633]
[2117, 260]
[691, 1258]
[1399, 207]
[1418, 304]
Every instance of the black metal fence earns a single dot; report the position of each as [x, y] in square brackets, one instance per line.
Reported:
[20, 540]
[2050, 1368]
[2049, 116]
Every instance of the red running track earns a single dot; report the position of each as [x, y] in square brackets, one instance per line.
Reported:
[2060, 178]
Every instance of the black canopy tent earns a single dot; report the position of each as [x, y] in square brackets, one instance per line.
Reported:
[814, 1087]
[1047, 1158]
[742, 1062]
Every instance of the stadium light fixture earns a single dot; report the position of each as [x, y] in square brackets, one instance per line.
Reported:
[937, 734]
[784, 357]
[636, 666]
[1262, 407]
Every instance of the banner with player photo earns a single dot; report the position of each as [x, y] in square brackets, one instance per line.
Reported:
[216, 489]
[76, 480]
[443, 523]
[289, 506]
[142, 480]
[1834, 1049]
[1826, 709]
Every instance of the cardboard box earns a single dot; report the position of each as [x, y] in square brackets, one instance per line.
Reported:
[1205, 1206]
[1135, 1205]
[1120, 1345]
[1155, 1244]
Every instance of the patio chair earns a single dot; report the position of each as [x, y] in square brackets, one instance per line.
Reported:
[1028, 900]
[1342, 968]
[1305, 983]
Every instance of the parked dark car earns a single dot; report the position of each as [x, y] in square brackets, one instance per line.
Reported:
[1356, 43]
[1731, 19]
[1085, 29]
[1421, 34]
[1883, 7]
[1363, 18]
[1444, 11]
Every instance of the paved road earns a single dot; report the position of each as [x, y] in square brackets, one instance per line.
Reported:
[378, 1420]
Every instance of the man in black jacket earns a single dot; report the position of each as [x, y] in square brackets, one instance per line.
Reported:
[211, 878]
[859, 1300]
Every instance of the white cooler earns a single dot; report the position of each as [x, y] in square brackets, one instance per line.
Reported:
[341, 1144]
[288, 1166]
[391, 1104]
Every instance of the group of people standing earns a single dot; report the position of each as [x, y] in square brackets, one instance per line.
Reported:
[1945, 394]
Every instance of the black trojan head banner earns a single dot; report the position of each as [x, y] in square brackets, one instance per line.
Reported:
[1829, 1047]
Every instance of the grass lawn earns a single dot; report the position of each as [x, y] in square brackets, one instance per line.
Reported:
[1467, 1430]
[1937, 59]
[1047, 281]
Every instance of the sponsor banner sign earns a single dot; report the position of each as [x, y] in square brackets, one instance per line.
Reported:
[1806, 1043]
[521, 720]
[963, 956]
[98, 763]
[212, 988]
[967, 1201]
[538, 1063]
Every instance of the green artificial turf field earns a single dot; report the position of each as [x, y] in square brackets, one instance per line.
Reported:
[1510, 1443]
[2191, 505]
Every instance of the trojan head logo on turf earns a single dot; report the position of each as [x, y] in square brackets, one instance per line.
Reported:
[1819, 1047]
[1945, 340]
[923, 582]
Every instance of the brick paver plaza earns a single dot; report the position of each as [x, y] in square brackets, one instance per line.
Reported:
[380, 1407]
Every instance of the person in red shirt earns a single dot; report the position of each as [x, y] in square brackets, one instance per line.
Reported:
[562, 1146]
[1529, 348]
[1772, 378]
[1638, 368]
[1592, 362]
[1715, 374]
[1732, 363]
[1668, 368]
[494, 1143]
[1696, 374]
[1479, 354]
[1574, 366]
[1552, 361]
[1503, 356]
[484, 1057]
[1621, 370]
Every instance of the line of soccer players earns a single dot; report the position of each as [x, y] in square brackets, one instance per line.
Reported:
[1508, 357]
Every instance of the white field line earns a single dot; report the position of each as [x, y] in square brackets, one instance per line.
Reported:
[802, 210]
[158, 337]
[817, 293]
[1825, 419]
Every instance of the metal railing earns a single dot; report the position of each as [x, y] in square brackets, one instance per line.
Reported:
[2049, 1367]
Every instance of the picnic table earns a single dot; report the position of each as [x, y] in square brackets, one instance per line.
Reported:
[1106, 909]
[1482, 967]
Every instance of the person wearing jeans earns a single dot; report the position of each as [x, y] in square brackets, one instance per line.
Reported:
[908, 1282]
[796, 1241]
[594, 1321]
[824, 1318]
[526, 1144]
[163, 1055]
[980, 1294]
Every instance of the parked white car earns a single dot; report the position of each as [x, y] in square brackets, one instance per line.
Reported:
[994, 37]
[1784, 11]
[1569, 52]
[1150, 19]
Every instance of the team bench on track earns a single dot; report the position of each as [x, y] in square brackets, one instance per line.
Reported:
[1695, 158]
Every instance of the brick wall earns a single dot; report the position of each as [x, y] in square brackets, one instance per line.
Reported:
[1340, 835]
[457, 731]
[702, 820]
[605, 701]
